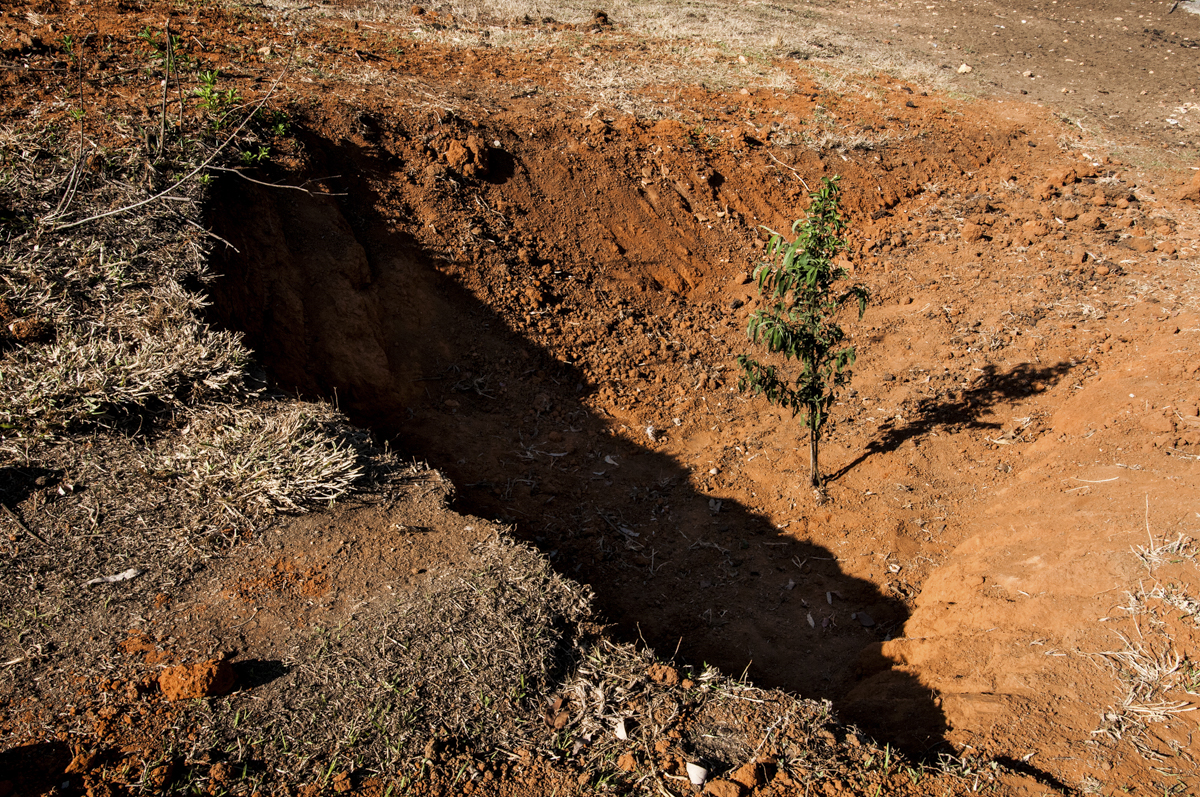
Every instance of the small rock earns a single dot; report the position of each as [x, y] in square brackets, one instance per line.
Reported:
[723, 788]
[1143, 245]
[342, 783]
[1035, 229]
[663, 674]
[30, 330]
[972, 232]
[627, 762]
[457, 155]
[191, 681]
[1158, 423]
[82, 763]
[747, 776]
[161, 776]
[964, 69]
[1064, 176]
[1027, 73]
[866, 620]
[696, 774]
[220, 772]
[1191, 191]
[479, 156]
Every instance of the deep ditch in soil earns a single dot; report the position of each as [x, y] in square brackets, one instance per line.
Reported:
[517, 306]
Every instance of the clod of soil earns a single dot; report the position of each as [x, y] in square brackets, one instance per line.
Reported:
[192, 681]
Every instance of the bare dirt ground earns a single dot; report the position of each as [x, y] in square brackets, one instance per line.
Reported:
[524, 258]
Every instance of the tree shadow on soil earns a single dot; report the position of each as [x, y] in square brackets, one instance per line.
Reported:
[253, 673]
[338, 302]
[18, 482]
[38, 768]
[963, 409]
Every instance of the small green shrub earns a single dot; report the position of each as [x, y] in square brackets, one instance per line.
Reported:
[799, 321]
[215, 102]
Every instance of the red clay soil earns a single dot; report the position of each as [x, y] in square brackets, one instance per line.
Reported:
[543, 298]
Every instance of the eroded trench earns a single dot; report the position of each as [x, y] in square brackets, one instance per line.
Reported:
[526, 310]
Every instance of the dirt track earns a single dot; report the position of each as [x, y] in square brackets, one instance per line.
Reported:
[541, 294]
[1123, 72]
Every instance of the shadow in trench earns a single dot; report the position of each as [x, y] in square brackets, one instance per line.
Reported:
[335, 300]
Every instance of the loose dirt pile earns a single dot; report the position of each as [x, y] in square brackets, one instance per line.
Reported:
[520, 249]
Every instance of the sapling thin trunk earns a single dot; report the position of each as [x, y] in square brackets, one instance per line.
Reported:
[799, 318]
[814, 467]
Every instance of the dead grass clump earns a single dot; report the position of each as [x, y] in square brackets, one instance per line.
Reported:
[1158, 677]
[830, 137]
[262, 458]
[90, 377]
[123, 337]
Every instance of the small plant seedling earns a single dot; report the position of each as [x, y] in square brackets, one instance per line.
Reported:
[165, 53]
[256, 155]
[216, 102]
[803, 302]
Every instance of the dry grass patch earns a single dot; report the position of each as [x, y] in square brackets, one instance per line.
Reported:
[441, 678]
[1158, 675]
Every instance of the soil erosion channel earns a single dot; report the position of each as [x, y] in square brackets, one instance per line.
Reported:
[546, 307]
